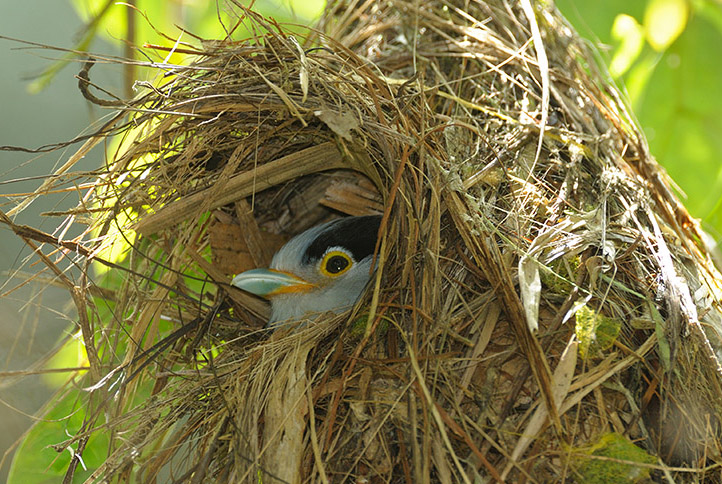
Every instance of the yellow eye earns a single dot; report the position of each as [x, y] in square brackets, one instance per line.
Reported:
[335, 263]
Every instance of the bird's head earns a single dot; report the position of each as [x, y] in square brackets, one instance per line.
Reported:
[322, 269]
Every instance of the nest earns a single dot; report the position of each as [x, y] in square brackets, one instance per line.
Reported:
[541, 295]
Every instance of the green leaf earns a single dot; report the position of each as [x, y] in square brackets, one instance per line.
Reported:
[42, 458]
[664, 21]
[37, 462]
[638, 76]
[630, 35]
[71, 355]
[595, 20]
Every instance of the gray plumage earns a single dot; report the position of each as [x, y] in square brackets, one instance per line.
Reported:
[345, 249]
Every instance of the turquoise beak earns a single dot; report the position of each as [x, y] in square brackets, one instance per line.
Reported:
[270, 282]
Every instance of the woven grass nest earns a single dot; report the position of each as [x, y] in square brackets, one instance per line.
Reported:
[544, 309]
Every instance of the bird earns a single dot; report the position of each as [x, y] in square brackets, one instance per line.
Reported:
[324, 268]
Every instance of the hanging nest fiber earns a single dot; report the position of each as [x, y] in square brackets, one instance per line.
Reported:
[544, 309]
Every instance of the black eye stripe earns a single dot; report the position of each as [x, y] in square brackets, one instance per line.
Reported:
[355, 234]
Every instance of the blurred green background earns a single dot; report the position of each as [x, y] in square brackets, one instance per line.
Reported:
[664, 54]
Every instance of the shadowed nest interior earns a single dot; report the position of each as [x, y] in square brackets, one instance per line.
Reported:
[539, 299]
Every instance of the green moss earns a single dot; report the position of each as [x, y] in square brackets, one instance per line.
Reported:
[619, 448]
[595, 331]
[553, 276]
[358, 327]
